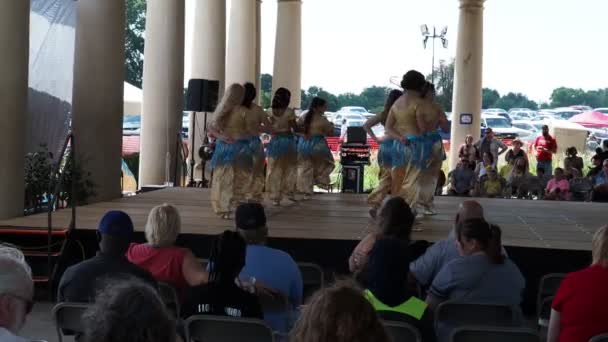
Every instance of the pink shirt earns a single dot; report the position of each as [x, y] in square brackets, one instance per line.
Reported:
[165, 264]
[562, 185]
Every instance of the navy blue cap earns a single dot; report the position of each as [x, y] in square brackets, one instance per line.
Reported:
[116, 223]
[250, 216]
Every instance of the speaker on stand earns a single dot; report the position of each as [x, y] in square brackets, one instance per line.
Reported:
[201, 97]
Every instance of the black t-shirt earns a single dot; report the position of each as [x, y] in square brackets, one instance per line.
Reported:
[82, 281]
[221, 300]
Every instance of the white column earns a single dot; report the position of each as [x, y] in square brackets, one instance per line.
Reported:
[258, 50]
[97, 107]
[208, 57]
[163, 85]
[14, 54]
[240, 55]
[288, 50]
[468, 75]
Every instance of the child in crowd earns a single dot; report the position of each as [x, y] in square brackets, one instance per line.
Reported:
[558, 188]
[492, 187]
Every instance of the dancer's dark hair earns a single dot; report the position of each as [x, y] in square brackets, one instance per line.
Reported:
[281, 99]
[250, 94]
[413, 80]
[227, 257]
[314, 105]
[429, 88]
[486, 234]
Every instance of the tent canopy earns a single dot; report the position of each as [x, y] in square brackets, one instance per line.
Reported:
[132, 97]
[591, 119]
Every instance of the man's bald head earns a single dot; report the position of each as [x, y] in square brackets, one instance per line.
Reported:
[468, 209]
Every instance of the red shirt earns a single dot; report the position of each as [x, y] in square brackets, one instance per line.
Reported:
[548, 143]
[165, 264]
[582, 300]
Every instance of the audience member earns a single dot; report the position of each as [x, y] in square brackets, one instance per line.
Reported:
[545, 146]
[128, 310]
[16, 293]
[493, 186]
[82, 281]
[483, 166]
[603, 151]
[168, 263]
[580, 187]
[558, 188]
[462, 179]
[572, 161]
[339, 313]
[516, 152]
[424, 269]
[469, 152]
[488, 144]
[596, 166]
[275, 268]
[395, 219]
[600, 184]
[542, 176]
[580, 307]
[386, 284]
[222, 296]
[518, 180]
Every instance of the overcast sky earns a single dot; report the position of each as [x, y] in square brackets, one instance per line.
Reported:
[530, 46]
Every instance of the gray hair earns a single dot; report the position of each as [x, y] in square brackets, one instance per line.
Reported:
[15, 274]
[163, 225]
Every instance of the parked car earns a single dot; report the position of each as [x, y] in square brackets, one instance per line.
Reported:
[519, 110]
[565, 113]
[581, 108]
[353, 110]
[601, 110]
[526, 125]
[131, 125]
[502, 128]
[522, 115]
[350, 122]
[495, 111]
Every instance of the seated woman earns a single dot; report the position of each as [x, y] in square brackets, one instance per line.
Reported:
[580, 307]
[386, 287]
[168, 263]
[572, 161]
[482, 166]
[395, 219]
[222, 296]
[558, 188]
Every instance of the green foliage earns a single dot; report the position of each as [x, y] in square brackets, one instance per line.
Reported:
[135, 26]
[37, 174]
[489, 97]
[515, 100]
[75, 183]
[564, 97]
[444, 84]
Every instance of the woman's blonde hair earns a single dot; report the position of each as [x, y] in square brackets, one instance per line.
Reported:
[600, 247]
[163, 225]
[339, 313]
[233, 97]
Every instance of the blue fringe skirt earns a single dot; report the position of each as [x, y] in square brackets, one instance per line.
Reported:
[386, 152]
[229, 154]
[281, 145]
[315, 146]
[419, 151]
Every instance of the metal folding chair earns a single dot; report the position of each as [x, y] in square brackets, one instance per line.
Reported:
[402, 332]
[312, 277]
[494, 334]
[207, 328]
[549, 284]
[169, 297]
[68, 318]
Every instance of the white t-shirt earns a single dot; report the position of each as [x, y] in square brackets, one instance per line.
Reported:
[7, 336]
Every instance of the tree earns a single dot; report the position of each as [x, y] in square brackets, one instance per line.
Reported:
[266, 83]
[564, 97]
[489, 98]
[444, 84]
[135, 26]
[515, 100]
[373, 97]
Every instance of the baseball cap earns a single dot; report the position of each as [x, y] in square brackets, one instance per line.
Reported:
[249, 216]
[116, 223]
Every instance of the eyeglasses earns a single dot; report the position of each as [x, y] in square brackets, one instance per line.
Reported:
[29, 304]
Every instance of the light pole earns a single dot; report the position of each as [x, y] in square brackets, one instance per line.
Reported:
[427, 35]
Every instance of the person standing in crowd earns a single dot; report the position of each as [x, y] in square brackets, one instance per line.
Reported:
[315, 161]
[275, 268]
[385, 154]
[573, 161]
[81, 282]
[395, 220]
[600, 184]
[558, 188]
[128, 310]
[231, 161]
[339, 313]
[402, 125]
[489, 144]
[281, 150]
[256, 122]
[222, 296]
[516, 152]
[16, 293]
[462, 179]
[545, 146]
[580, 307]
[469, 152]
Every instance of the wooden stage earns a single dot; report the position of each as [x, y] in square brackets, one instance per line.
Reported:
[525, 223]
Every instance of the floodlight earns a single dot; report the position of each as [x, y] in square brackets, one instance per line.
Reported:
[444, 31]
[424, 41]
[424, 30]
[444, 41]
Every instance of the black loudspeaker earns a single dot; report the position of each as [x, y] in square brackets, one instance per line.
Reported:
[356, 135]
[202, 95]
[352, 178]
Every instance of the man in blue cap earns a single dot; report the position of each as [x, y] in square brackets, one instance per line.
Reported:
[82, 281]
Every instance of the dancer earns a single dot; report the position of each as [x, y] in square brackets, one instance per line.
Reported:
[402, 125]
[256, 122]
[231, 160]
[385, 153]
[281, 150]
[315, 161]
[430, 116]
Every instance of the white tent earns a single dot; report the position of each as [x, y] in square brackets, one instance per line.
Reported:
[568, 134]
[132, 99]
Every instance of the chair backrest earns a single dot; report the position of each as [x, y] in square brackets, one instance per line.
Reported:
[544, 312]
[68, 318]
[456, 315]
[207, 328]
[275, 304]
[169, 297]
[599, 338]
[494, 334]
[548, 286]
[402, 332]
[312, 277]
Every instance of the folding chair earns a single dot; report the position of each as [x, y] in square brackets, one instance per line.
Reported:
[451, 315]
[68, 318]
[207, 328]
[599, 338]
[494, 334]
[169, 297]
[278, 304]
[549, 284]
[312, 277]
[402, 332]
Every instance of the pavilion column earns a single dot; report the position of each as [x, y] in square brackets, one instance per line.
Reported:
[99, 64]
[163, 84]
[468, 75]
[288, 50]
[208, 58]
[241, 52]
[14, 54]
[258, 49]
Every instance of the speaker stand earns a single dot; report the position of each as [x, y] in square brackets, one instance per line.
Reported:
[192, 183]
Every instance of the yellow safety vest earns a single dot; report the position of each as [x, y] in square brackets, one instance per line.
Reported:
[412, 307]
